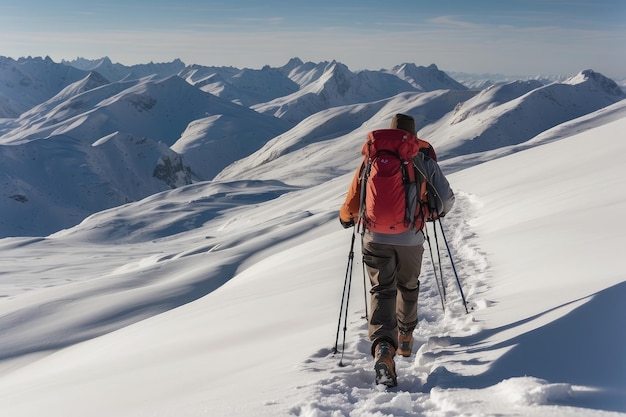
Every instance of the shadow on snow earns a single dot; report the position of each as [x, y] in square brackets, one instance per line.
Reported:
[559, 352]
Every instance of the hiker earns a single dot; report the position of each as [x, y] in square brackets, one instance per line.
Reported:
[393, 255]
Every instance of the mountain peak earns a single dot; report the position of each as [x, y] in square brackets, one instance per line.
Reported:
[294, 62]
[336, 67]
[598, 80]
[426, 78]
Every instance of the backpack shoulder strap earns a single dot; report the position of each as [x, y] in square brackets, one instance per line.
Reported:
[427, 149]
[364, 174]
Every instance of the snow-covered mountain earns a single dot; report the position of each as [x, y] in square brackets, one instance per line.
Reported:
[55, 182]
[246, 87]
[307, 147]
[510, 114]
[108, 134]
[426, 78]
[337, 86]
[456, 122]
[27, 82]
[119, 72]
[115, 143]
[303, 73]
[481, 81]
[222, 297]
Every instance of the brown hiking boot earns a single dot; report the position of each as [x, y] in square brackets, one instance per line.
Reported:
[405, 343]
[384, 365]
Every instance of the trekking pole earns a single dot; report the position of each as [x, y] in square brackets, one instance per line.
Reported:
[443, 283]
[365, 290]
[432, 261]
[458, 282]
[345, 297]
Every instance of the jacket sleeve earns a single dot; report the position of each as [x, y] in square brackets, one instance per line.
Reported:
[437, 183]
[350, 208]
[442, 187]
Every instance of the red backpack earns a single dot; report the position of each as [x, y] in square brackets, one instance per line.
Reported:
[393, 192]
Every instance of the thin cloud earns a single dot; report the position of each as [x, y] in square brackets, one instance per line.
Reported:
[453, 22]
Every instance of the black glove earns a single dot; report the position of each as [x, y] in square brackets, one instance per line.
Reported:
[348, 224]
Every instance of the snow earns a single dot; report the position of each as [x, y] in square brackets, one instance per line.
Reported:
[222, 298]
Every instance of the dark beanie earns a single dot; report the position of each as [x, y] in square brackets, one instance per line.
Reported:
[404, 122]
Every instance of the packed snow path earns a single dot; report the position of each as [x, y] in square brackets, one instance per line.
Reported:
[350, 389]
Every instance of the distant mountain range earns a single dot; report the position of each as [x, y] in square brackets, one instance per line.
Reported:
[82, 136]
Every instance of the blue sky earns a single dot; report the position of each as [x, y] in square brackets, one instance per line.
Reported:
[498, 36]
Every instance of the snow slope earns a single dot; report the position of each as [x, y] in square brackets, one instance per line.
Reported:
[328, 143]
[513, 113]
[27, 82]
[222, 299]
[100, 145]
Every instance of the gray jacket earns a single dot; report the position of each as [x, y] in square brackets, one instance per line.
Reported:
[443, 195]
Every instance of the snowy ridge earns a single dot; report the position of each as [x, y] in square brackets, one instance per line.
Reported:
[603, 116]
[119, 72]
[426, 78]
[28, 82]
[337, 86]
[246, 87]
[486, 122]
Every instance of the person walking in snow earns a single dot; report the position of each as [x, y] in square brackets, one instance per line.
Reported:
[393, 253]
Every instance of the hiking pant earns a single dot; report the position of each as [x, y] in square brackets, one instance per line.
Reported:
[394, 273]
